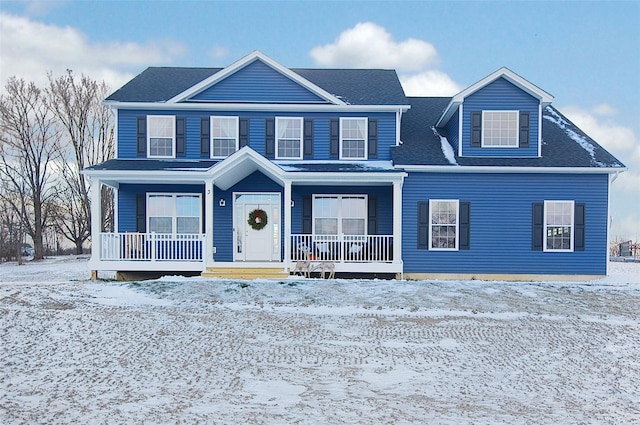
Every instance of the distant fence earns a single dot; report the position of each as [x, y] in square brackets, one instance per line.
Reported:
[625, 249]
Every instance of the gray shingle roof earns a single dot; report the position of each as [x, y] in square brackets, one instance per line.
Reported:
[354, 86]
[153, 164]
[563, 144]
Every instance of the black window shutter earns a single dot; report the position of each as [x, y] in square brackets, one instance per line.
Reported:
[476, 129]
[423, 225]
[270, 138]
[306, 215]
[537, 231]
[524, 129]
[205, 141]
[243, 132]
[579, 230]
[141, 213]
[308, 138]
[373, 139]
[181, 137]
[464, 226]
[372, 216]
[334, 138]
[141, 136]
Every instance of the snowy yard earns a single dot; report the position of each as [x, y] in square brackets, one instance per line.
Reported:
[299, 351]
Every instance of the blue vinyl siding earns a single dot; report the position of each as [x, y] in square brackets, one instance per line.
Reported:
[452, 131]
[257, 82]
[501, 222]
[127, 130]
[500, 95]
[127, 194]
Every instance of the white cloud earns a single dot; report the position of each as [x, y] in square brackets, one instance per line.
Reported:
[429, 83]
[368, 45]
[30, 49]
[218, 52]
[604, 109]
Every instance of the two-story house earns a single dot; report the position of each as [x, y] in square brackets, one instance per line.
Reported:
[248, 169]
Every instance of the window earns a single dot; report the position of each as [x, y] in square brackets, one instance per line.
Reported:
[288, 138]
[338, 214]
[558, 225]
[161, 136]
[500, 129]
[443, 225]
[224, 136]
[174, 213]
[353, 138]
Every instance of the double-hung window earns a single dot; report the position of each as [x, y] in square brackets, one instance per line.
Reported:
[443, 225]
[161, 133]
[289, 138]
[224, 136]
[353, 138]
[340, 214]
[558, 225]
[174, 213]
[500, 129]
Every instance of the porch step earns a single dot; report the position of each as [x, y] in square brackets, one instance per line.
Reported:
[245, 273]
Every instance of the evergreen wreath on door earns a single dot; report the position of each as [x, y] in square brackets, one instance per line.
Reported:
[257, 219]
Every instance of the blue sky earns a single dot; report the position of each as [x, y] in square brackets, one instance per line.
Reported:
[586, 54]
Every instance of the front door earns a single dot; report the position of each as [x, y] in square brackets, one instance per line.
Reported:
[257, 226]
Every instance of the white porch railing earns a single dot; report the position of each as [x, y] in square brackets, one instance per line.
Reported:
[151, 247]
[343, 248]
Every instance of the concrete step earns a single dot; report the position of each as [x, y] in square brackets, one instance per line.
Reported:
[245, 273]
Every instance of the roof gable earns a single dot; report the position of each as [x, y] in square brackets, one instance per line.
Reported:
[505, 73]
[205, 87]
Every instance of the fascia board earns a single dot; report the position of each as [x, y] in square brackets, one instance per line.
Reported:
[529, 170]
[241, 63]
[240, 107]
[364, 178]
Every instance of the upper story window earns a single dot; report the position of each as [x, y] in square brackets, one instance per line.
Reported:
[174, 213]
[558, 225]
[224, 136]
[289, 138]
[500, 129]
[161, 131]
[353, 138]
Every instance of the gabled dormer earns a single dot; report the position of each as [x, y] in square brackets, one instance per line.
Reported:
[499, 116]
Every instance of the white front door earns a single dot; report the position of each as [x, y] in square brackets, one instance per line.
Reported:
[257, 226]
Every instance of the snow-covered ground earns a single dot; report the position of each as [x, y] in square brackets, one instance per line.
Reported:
[309, 351]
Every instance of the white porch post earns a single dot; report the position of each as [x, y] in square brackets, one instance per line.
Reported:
[397, 222]
[96, 227]
[207, 252]
[287, 223]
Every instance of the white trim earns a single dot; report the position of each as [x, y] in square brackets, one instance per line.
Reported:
[277, 138]
[174, 217]
[544, 226]
[251, 107]
[493, 169]
[237, 127]
[504, 72]
[540, 131]
[460, 109]
[339, 217]
[235, 229]
[115, 113]
[245, 61]
[366, 139]
[173, 138]
[611, 179]
[457, 224]
[484, 126]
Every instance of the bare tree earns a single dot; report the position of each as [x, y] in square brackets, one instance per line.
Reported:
[88, 129]
[28, 153]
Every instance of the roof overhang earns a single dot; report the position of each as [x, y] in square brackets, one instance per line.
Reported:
[502, 170]
[504, 72]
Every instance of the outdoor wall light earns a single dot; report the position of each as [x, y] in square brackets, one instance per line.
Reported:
[293, 204]
[222, 203]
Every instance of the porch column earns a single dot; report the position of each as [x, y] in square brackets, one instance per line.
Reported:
[287, 223]
[96, 227]
[207, 252]
[397, 222]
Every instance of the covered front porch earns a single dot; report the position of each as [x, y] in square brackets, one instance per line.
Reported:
[232, 189]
